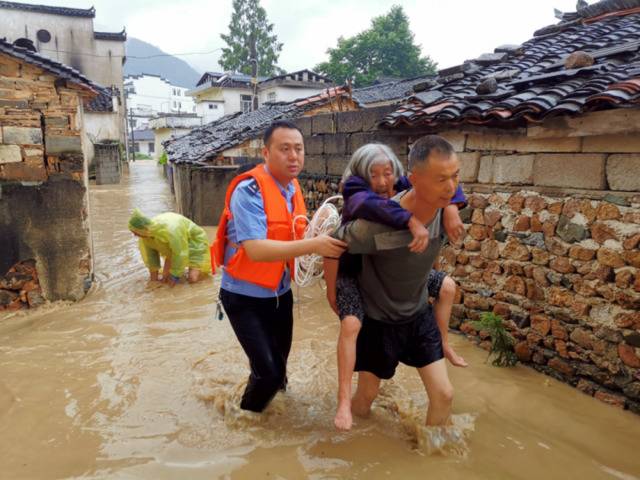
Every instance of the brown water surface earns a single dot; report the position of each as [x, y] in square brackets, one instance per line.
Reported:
[140, 381]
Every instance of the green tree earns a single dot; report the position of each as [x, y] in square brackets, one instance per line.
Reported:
[250, 36]
[386, 49]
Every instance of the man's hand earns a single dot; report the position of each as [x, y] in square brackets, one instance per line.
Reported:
[420, 236]
[327, 246]
[453, 223]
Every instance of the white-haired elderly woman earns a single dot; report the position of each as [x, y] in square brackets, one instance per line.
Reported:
[373, 176]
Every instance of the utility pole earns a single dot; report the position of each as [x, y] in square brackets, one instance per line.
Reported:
[133, 143]
[254, 68]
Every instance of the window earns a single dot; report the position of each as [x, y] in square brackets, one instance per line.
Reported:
[245, 103]
[271, 97]
[213, 106]
[43, 36]
[152, 147]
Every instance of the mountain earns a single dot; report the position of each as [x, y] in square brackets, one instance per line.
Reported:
[177, 71]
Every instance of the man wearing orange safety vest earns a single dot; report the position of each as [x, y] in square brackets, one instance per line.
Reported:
[259, 234]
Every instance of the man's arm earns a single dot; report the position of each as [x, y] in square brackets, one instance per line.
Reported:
[364, 237]
[250, 223]
[276, 250]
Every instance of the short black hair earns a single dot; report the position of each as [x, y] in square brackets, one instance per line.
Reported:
[421, 150]
[278, 124]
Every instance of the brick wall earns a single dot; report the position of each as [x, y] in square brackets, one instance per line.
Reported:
[44, 207]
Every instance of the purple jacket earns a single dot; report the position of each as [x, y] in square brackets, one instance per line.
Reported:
[362, 202]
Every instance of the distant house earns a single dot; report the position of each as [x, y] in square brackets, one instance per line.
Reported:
[148, 95]
[220, 94]
[167, 126]
[67, 36]
[143, 142]
[292, 86]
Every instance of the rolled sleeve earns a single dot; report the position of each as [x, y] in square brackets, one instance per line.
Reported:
[247, 209]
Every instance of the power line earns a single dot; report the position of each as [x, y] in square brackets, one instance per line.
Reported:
[132, 56]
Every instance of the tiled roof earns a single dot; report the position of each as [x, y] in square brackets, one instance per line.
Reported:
[206, 142]
[301, 76]
[391, 91]
[143, 136]
[228, 80]
[104, 101]
[113, 36]
[69, 12]
[59, 69]
[530, 82]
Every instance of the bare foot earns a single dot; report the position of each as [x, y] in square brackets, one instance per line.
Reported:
[455, 359]
[360, 407]
[343, 419]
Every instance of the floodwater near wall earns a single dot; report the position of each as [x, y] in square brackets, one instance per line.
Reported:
[141, 381]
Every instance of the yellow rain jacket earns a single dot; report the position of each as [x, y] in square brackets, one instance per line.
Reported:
[174, 237]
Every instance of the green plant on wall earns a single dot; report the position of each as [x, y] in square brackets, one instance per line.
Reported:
[163, 159]
[502, 342]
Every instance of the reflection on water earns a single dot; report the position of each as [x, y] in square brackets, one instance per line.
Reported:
[140, 381]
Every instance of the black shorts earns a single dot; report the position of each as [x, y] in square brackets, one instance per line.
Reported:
[434, 282]
[381, 346]
[348, 298]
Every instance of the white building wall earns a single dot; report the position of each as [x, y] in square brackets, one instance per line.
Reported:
[232, 99]
[158, 95]
[210, 110]
[99, 127]
[286, 94]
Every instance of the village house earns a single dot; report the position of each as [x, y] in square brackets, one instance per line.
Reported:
[44, 225]
[167, 126]
[144, 142]
[148, 95]
[67, 36]
[220, 94]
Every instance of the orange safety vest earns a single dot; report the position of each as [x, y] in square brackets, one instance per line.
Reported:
[280, 226]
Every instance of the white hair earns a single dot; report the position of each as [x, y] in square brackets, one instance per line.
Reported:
[365, 157]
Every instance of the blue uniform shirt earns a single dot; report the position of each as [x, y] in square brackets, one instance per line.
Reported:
[249, 222]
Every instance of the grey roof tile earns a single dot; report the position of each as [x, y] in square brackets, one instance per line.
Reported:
[537, 83]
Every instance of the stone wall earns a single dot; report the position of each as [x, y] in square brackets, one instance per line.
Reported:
[107, 163]
[200, 191]
[43, 180]
[565, 272]
[553, 230]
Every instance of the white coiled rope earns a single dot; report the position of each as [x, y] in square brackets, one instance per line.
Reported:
[308, 268]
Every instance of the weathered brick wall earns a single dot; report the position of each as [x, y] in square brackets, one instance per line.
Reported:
[40, 132]
[553, 230]
[44, 207]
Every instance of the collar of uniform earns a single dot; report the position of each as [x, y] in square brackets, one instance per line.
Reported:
[287, 191]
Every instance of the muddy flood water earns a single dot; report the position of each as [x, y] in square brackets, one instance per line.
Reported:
[141, 381]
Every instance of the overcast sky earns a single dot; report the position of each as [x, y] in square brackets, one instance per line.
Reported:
[448, 31]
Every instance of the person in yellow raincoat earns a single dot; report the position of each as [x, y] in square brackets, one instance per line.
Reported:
[175, 238]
